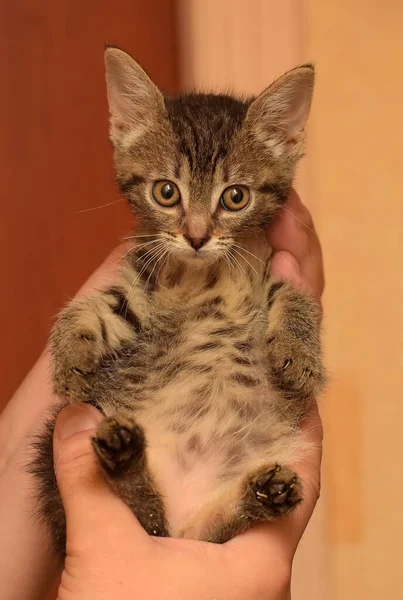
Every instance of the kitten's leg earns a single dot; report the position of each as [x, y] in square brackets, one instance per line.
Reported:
[90, 329]
[293, 342]
[120, 447]
[267, 494]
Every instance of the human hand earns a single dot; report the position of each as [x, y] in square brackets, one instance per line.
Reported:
[28, 566]
[109, 555]
[298, 255]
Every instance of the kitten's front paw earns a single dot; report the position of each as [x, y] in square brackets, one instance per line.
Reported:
[77, 349]
[74, 370]
[296, 369]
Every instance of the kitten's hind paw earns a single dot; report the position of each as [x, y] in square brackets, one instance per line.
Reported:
[119, 445]
[279, 490]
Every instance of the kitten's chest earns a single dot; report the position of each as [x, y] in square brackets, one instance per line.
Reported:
[209, 354]
[234, 298]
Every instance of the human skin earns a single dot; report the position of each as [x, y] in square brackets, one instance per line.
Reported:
[258, 561]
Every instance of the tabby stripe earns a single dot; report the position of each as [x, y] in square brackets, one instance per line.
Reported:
[244, 380]
[104, 331]
[280, 192]
[126, 186]
[209, 346]
[212, 302]
[186, 151]
[225, 330]
[123, 310]
[242, 361]
[243, 346]
[273, 289]
[211, 279]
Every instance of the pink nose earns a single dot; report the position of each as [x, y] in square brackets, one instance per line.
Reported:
[197, 242]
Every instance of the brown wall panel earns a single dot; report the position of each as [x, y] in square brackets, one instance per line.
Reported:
[55, 158]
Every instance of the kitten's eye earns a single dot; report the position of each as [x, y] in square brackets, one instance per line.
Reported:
[235, 197]
[166, 193]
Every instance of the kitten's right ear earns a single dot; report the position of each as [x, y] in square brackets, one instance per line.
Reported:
[133, 98]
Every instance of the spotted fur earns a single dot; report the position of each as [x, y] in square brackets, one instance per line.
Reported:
[202, 364]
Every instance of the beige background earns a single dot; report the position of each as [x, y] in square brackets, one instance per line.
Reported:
[355, 176]
[352, 182]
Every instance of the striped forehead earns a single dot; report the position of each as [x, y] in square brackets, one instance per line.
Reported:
[204, 125]
[200, 195]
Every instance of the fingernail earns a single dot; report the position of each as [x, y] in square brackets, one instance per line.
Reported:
[76, 418]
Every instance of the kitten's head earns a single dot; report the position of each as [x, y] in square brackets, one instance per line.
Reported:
[202, 170]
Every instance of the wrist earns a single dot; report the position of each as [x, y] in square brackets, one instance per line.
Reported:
[28, 566]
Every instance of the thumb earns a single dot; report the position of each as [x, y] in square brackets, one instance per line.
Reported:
[89, 503]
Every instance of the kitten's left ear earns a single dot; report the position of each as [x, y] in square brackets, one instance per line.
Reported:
[134, 100]
[278, 116]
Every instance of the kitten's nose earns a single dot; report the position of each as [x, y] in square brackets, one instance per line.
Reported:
[197, 242]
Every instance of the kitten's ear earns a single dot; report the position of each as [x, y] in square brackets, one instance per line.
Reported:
[134, 100]
[278, 116]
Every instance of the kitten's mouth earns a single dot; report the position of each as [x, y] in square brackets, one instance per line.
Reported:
[198, 257]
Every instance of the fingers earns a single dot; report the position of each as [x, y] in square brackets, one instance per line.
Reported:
[293, 227]
[89, 503]
[298, 254]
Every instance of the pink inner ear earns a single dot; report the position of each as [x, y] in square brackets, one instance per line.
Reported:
[296, 122]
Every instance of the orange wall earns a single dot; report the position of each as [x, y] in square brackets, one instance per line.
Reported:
[356, 183]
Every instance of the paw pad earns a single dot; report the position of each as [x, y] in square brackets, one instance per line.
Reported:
[279, 490]
[119, 443]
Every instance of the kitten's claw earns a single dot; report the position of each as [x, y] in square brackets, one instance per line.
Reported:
[295, 371]
[118, 444]
[279, 490]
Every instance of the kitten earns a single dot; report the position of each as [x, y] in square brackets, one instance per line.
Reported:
[202, 364]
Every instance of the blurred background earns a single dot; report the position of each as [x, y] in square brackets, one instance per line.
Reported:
[60, 214]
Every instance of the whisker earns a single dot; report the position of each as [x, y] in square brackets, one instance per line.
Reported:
[237, 262]
[145, 244]
[157, 255]
[247, 251]
[132, 237]
[134, 282]
[162, 266]
[283, 253]
[146, 254]
[250, 424]
[152, 255]
[126, 253]
[124, 256]
[226, 258]
[245, 259]
[128, 294]
[84, 210]
[298, 219]
[160, 257]
[231, 260]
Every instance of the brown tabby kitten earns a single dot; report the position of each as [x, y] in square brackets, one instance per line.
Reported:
[202, 364]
